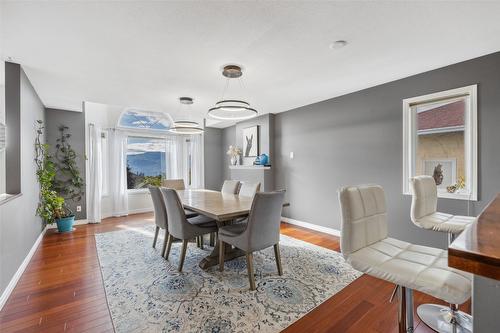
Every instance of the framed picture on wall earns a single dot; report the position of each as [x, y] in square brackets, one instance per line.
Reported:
[251, 141]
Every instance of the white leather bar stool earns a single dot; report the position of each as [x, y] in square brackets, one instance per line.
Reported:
[366, 246]
[424, 212]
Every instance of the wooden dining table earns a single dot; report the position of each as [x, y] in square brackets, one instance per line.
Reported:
[224, 208]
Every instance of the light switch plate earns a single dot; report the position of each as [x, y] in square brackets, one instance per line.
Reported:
[78, 208]
[291, 155]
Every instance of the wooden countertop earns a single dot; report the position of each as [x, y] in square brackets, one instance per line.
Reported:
[477, 249]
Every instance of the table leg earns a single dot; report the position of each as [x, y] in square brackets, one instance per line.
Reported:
[230, 253]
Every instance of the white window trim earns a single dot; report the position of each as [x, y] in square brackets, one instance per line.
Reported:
[470, 139]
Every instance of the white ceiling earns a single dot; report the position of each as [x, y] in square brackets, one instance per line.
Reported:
[147, 54]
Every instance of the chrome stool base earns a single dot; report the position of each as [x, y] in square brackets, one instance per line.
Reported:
[444, 319]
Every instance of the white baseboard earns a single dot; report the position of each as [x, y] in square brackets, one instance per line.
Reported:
[311, 226]
[140, 210]
[13, 282]
[77, 222]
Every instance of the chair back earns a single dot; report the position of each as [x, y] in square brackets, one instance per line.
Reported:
[424, 197]
[159, 207]
[230, 186]
[178, 226]
[176, 184]
[248, 189]
[263, 227]
[363, 217]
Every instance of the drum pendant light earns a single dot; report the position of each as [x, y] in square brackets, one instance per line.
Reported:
[186, 126]
[232, 109]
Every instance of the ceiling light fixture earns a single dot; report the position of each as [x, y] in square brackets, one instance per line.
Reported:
[186, 126]
[338, 44]
[232, 109]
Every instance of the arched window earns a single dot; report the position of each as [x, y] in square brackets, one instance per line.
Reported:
[145, 120]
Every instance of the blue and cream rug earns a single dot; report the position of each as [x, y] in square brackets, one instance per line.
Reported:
[146, 293]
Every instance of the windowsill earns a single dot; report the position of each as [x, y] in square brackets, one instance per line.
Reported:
[4, 198]
[456, 196]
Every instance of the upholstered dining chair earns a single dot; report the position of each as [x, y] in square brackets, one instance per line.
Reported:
[160, 215]
[176, 184]
[248, 189]
[261, 231]
[365, 245]
[230, 186]
[180, 227]
[424, 212]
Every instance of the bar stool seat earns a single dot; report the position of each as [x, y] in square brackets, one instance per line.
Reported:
[416, 267]
[442, 222]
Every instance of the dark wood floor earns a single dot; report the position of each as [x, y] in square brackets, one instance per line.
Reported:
[62, 289]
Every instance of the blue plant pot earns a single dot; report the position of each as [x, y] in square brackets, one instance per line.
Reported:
[65, 224]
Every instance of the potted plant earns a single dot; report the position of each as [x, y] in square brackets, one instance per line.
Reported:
[67, 183]
[63, 216]
[51, 207]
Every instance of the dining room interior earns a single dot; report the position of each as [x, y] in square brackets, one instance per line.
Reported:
[195, 166]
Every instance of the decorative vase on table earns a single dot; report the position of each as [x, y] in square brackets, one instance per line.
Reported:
[234, 160]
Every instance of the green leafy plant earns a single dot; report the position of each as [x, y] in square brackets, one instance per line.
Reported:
[50, 204]
[67, 183]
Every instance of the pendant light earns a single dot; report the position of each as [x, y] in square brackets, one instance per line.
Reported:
[186, 126]
[232, 109]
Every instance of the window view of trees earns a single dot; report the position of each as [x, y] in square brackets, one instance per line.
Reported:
[146, 162]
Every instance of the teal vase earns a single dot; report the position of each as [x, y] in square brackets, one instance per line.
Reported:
[65, 224]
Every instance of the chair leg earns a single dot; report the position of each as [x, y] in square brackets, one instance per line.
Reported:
[212, 239]
[165, 242]
[251, 278]
[157, 230]
[183, 254]
[402, 310]
[277, 255]
[201, 242]
[221, 256]
[169, 246]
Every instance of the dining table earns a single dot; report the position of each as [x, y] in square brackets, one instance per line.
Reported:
[224, 208]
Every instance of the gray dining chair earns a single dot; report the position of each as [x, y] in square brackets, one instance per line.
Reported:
[230, 186]
[182, 228]
[176, 184]
[261, 231]
[248, 189]
[160, 215]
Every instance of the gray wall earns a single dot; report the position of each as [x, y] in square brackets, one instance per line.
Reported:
[213, 150]
[265, 123]
[76, 123]
[19, 227]
[13, 122]
[234, 136]
[357, 138]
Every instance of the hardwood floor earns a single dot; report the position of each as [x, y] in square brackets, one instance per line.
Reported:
[62, 289]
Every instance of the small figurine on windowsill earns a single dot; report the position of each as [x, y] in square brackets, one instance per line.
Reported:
[459, 185]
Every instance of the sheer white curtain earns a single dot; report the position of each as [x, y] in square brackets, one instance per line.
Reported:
[197, 167]
[175, 157]
[118, 172]
[95, 182]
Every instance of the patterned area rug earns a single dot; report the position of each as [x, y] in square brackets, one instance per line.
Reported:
[146, 293]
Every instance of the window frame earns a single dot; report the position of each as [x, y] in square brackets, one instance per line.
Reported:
[470, 138]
